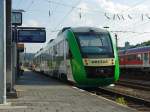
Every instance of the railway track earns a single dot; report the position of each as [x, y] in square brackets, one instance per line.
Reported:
[134, 84]
[139, 104]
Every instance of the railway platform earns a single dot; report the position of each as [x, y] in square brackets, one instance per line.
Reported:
[38, 93]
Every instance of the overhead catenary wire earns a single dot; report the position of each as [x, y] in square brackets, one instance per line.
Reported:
[111, 31]
[75, 7]
[119, 31]
[137, 25]
[135, 5]
[133, 32]
[63, 19]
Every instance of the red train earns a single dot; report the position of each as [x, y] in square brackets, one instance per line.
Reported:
[135, 59]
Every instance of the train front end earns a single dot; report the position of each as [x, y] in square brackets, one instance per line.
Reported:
[94, 57]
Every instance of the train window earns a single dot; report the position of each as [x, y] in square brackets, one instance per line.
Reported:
[139, 57]
[49, 52]
[95, 44]
[67, 50]
[145, 56]
[55, 49]
[40, 58]
[92, 42]
[61, 48]
[131, 57]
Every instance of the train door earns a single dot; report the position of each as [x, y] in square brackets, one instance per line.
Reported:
[65, 56]
[145, 60]
[68, 63]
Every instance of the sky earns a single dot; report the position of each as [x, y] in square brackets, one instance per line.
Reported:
[129, 19]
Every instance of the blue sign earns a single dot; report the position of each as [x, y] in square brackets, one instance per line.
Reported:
[32, 36]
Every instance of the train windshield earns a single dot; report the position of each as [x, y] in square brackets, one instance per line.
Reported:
[95, 45]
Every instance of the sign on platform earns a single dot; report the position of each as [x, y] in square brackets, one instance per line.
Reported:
[32, 36]
[20, 47]
[17, 18]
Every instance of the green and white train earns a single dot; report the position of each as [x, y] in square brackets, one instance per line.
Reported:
[84, 55]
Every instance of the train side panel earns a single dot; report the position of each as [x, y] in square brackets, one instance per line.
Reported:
[137, 59]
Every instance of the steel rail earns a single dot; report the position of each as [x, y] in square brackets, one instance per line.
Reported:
[132, 101]
[135, 85]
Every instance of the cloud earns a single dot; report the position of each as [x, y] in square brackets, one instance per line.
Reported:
[113, 7]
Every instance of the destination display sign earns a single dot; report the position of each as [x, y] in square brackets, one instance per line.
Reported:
[99, 62]
[32, 36]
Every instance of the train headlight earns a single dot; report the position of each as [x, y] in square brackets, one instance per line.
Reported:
[86, 61]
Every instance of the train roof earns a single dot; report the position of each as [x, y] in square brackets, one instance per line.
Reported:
[135, 50]
[84, 29]
[88, 29]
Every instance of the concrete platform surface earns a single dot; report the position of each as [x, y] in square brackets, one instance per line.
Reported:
[39, 93]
